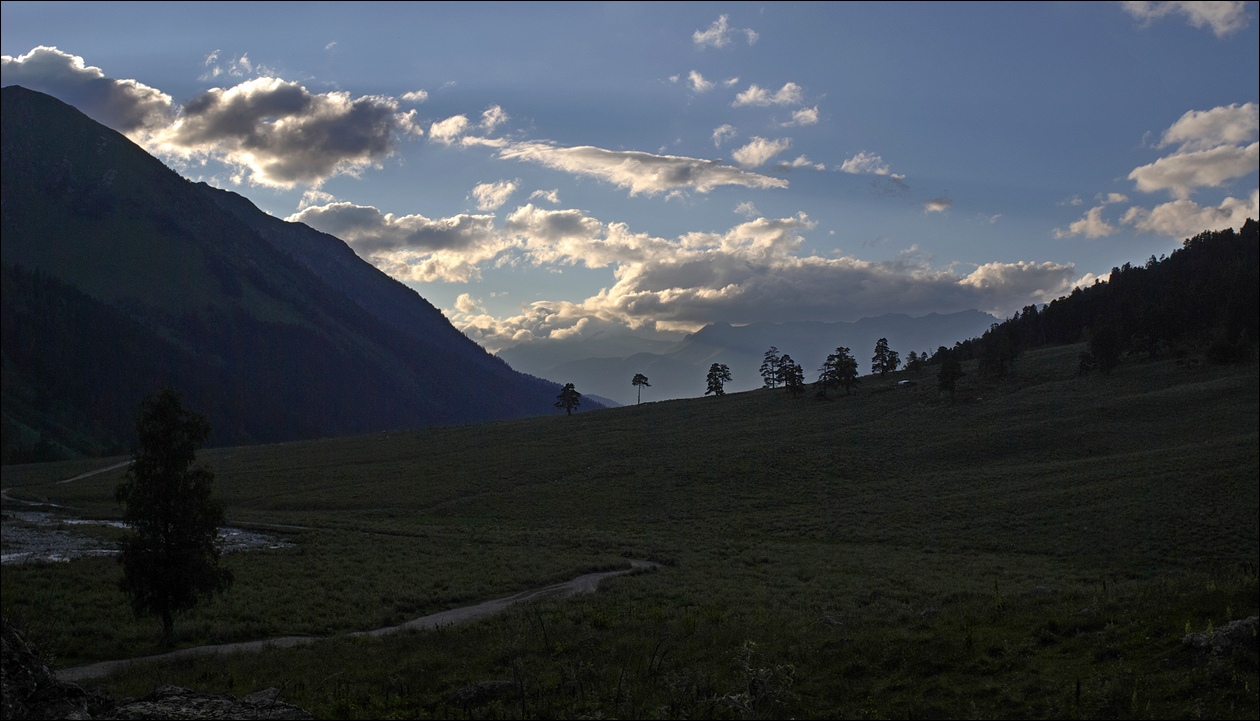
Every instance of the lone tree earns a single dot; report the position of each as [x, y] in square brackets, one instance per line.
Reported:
[885, 360]
[791, 375]
[770, 368]
[169, 557]
[719, 376]
[569, 398]
[639, 381]
[838, 371]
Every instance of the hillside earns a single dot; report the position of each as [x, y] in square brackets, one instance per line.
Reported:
[121, 276]
[1037, 548]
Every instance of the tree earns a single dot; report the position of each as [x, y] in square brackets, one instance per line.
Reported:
[846, 369]
[770, 368]
[169, 557]
[568, 399]
[719, 375]
[792, 376]
[885, 360]
[639, 381]
[951, 371]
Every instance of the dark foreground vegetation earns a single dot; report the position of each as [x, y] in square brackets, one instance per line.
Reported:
[1037, 547]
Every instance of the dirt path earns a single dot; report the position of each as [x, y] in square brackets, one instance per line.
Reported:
[582, 584]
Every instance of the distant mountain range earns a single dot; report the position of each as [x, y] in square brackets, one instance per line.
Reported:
[678, 369]
[120, 276]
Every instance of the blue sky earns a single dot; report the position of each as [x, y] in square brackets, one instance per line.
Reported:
[570, 169]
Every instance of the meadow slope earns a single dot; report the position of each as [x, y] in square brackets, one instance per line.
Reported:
[1035, 548]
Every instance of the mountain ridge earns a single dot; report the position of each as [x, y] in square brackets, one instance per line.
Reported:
[273, 330]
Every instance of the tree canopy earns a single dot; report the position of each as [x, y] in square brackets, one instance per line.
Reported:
[169, 556]
[719, 376]
[638, 382]
[569, 398]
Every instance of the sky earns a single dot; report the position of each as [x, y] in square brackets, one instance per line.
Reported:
[581, 170]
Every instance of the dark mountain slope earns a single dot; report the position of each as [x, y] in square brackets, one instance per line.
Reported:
[272, 330]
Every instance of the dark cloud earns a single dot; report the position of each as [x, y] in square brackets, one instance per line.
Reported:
[124, 105]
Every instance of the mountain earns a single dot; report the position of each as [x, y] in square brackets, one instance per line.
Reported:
[678, 370]
[120, 276]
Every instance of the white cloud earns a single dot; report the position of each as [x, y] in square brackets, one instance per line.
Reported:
[802, 162]
[1112, 198]
[759, 151]
[804, 116]
[718, 34]
[789, 94]
[492, 196]
[1092, 225]
[416, 96]
[1203, 129]
[722, 133]
[411, 247]
[1225, 18]
[551, 196]
[865, 162]
[1186, 218]
[127, 106]
[698, 83]
[492, 118]
[1182, 173]
[937, 205]
[448, 131]
[747, 209]
[638, 171]
[753, 272]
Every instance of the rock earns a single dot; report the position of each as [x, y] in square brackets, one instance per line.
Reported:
[173, 702]
[1241, 633]
[32, 691]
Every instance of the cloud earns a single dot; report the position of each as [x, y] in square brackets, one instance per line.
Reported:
[698, 83]
[747, 209]
[804, 116]
[127, 106]
[1225, 18]
[280, 134]
[448, 131]
[759, 151]
[638, 171]
[492, 118]
[937, 205]
[492, 196]
[1092, 225]
[802, 162]
[866, 163]
[1204, 129]
[1186, 218]
[411, 247]
[551, 196]
[753, 272]
[723, 133]
[416, 96]
[789, 94]
[718, 35]
[1182, 173]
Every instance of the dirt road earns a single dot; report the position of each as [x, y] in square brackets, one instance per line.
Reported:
[582, 584]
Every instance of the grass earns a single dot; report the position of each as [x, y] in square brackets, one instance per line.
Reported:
[1035, 549]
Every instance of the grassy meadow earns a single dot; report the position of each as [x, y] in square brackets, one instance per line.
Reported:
[1036, 548]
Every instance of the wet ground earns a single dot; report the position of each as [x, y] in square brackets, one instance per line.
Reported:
[47, 537]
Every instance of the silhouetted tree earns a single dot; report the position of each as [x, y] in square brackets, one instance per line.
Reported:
[838, 371]
[770, 368]
[169, 557]
[639, 381]
[568, 399]
[951, 371]
[792, 376]
[885, 359]
[719, 376]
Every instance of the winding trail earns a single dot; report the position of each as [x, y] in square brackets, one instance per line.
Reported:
[582, 584]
